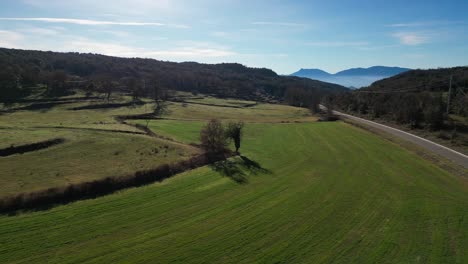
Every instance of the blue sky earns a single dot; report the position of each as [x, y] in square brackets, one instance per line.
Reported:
[281, 35]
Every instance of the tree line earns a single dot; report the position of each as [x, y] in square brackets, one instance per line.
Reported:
[418, 98]
[60, 73]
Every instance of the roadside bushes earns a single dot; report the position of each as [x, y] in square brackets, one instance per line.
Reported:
[62, 195]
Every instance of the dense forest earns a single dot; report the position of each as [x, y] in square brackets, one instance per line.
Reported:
[434, 99]
[61, 72]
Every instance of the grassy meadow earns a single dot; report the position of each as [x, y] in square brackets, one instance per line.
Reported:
[301, 192]
[96, 146]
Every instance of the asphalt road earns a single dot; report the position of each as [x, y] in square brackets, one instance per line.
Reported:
[448, 153]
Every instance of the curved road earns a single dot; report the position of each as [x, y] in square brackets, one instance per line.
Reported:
[448, 153]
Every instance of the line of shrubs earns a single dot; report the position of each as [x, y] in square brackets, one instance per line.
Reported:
[61, 195]
[30, 147]
[105, 106]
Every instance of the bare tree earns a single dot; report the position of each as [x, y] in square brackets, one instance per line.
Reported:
[234, 132]
[9, 82]
[213, 137]
[56, 82]
[104, 84]
[159, 95]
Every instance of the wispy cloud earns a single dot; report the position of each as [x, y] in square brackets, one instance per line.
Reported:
[41, 31]
[191, 52]
[184, 53]
[221, 34]
[285, 24]
[116, 7]
[115, 33]
[426, 24]
[337, 44]
[411, 38]
[89, 22]
[413, 24]
[381, 47]
[10, 39]
[263, 55]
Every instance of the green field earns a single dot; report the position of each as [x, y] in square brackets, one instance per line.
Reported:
[96, 146]
[309, 192]
[260, 113]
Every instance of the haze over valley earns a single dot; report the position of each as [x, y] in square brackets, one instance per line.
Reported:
[354, 77]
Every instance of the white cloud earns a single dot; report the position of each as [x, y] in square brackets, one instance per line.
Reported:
[158, 8]
[191, 52]
[89, 22]
[337, 44]
[286, 24]
[85, 45]
[144, 4]
[37, 38]
[413, 24]
[115, 33]
[426, 24]
[411, 38]
[42, 31]
[379, 47]
[10, 39]
[221, 34]
[263, 55]
[184, 53]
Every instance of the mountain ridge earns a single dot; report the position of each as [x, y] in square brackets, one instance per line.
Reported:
[353, 77]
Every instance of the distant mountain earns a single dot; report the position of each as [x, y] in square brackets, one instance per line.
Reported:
[311, 73]
[372, 71]
[355, 77]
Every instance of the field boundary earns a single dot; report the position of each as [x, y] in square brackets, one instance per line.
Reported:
[145, 130]
[48, 198]
[216, 105]
[12, 150]
[105, 106]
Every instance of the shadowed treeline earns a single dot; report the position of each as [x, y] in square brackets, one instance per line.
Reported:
[44, 199]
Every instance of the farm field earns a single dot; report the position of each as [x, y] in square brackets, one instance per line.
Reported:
[301, 192]
[199, 109]
[96, 146]
[92, 133]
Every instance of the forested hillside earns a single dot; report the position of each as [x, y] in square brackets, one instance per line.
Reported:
[432, 80]
[22, 69]
[419, 99]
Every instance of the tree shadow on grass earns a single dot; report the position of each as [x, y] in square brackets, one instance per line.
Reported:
[237, 169]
